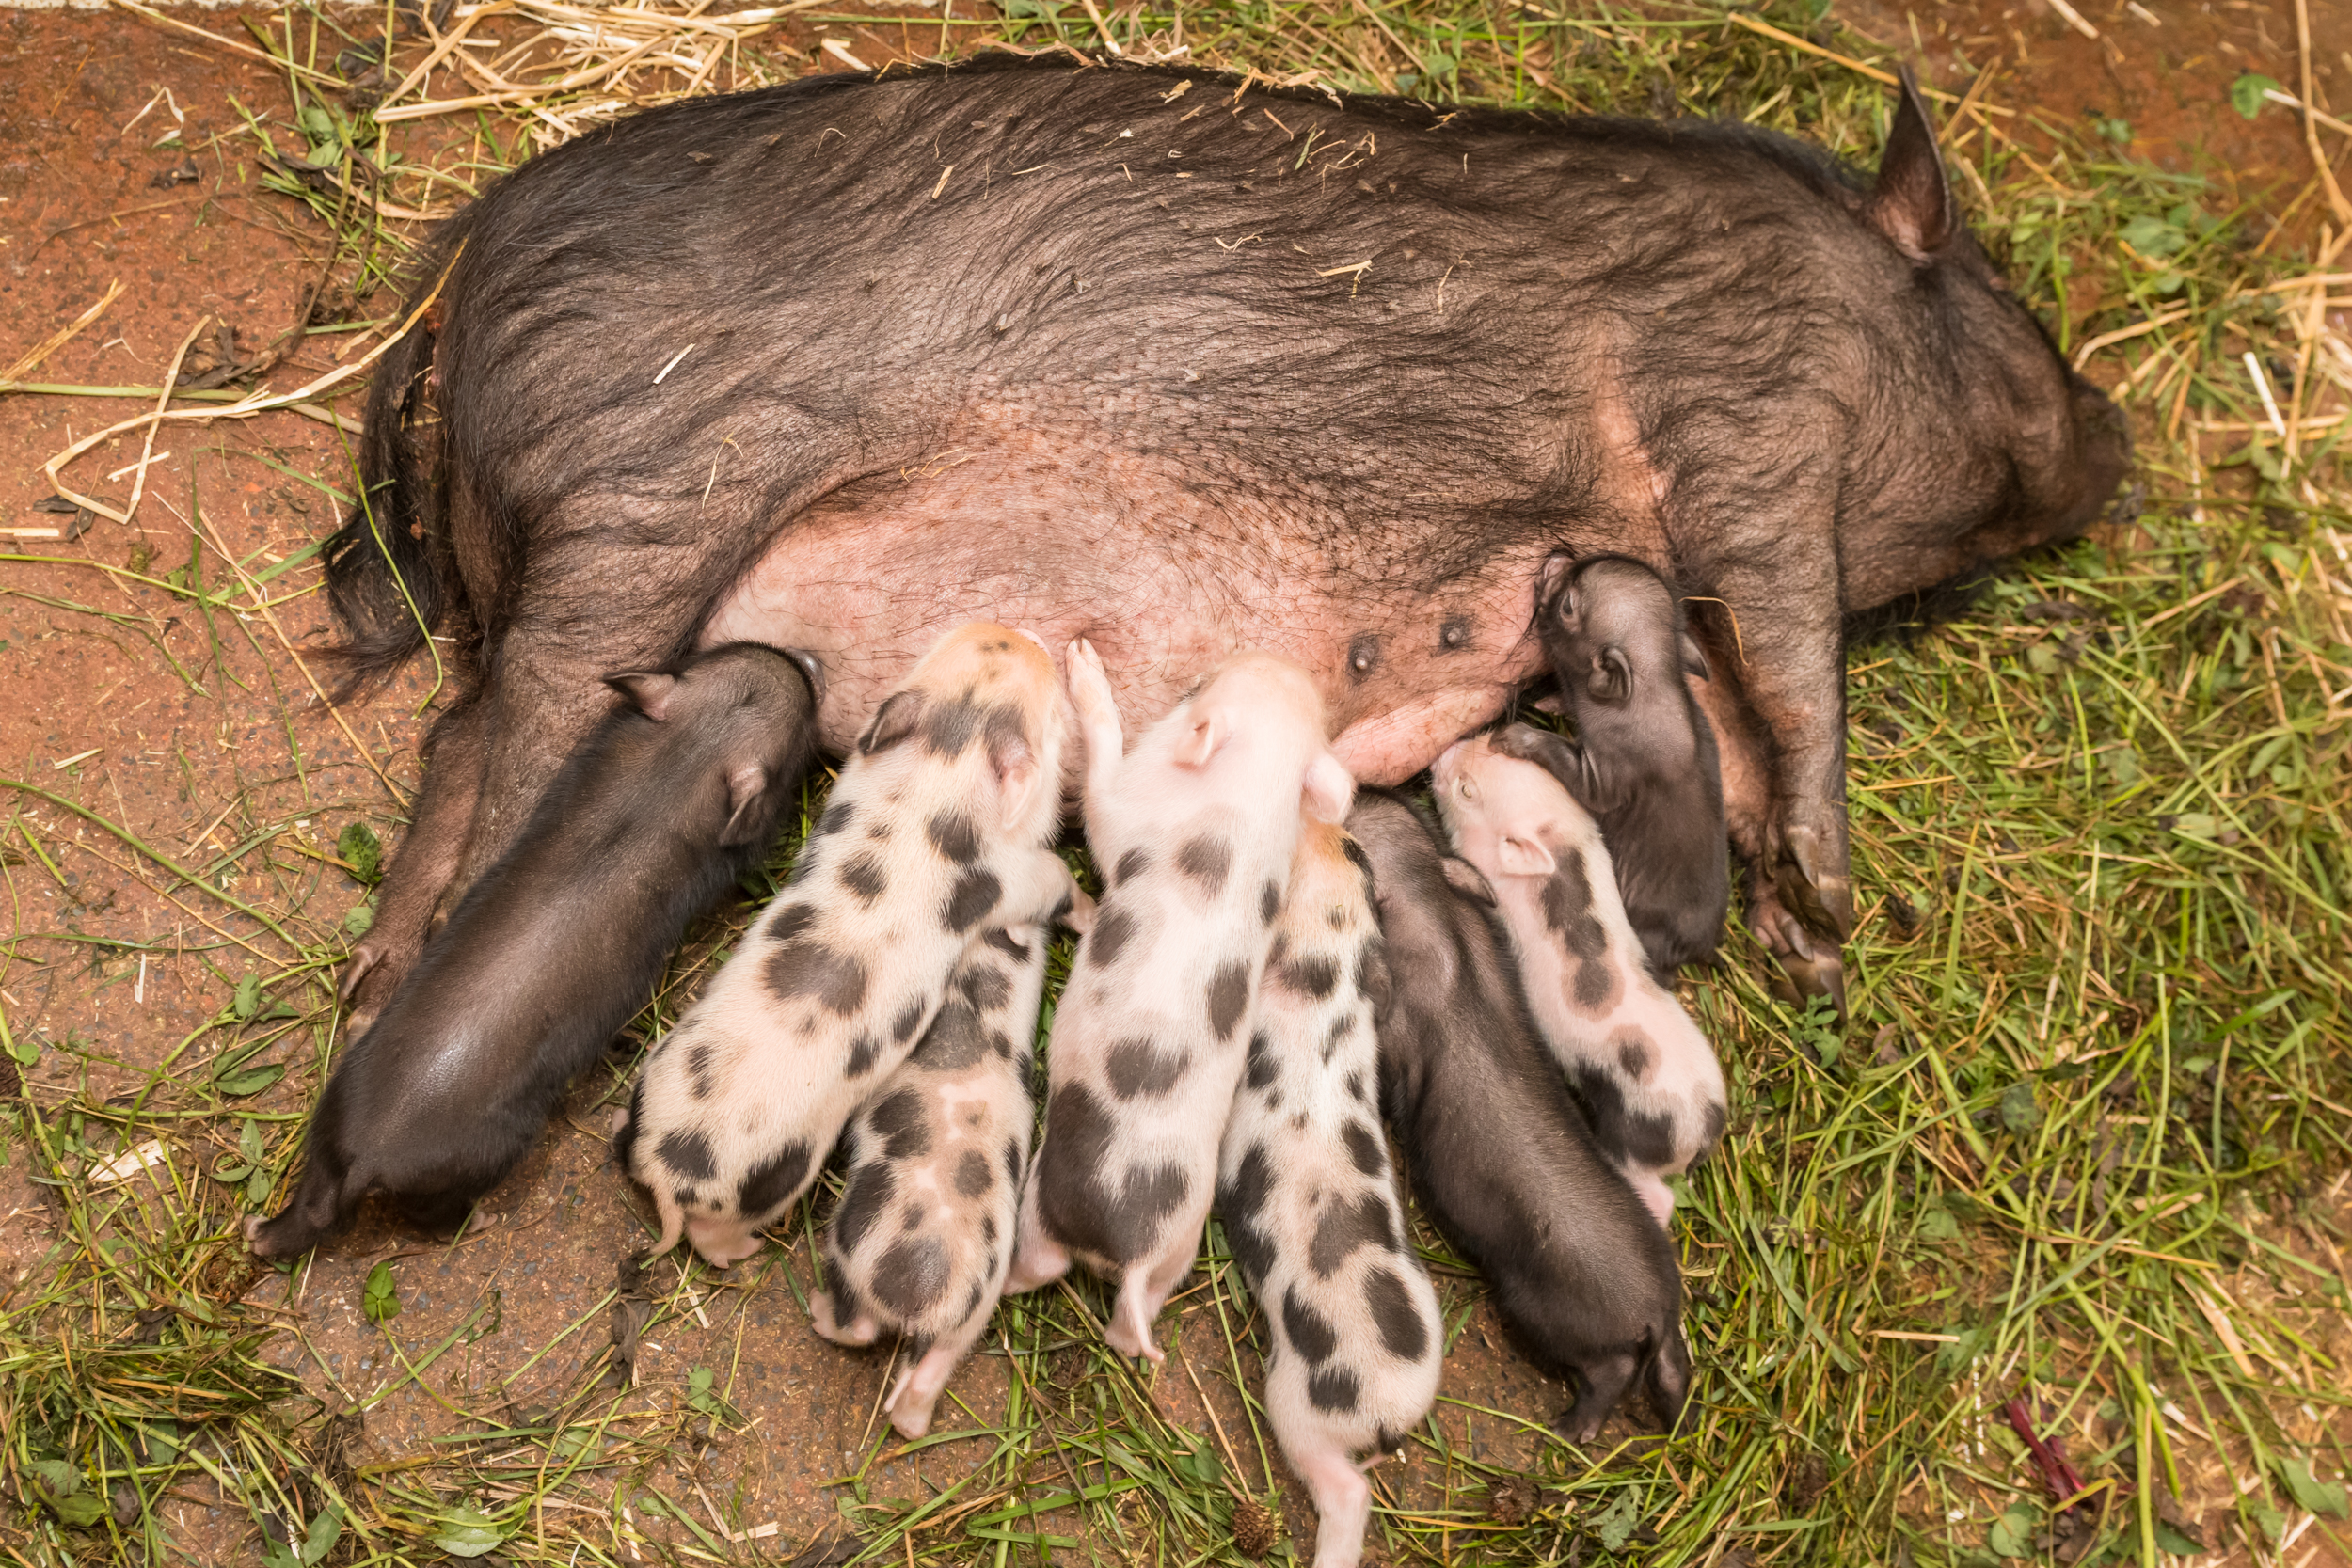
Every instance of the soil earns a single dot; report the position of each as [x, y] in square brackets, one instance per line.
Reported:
[234, 745]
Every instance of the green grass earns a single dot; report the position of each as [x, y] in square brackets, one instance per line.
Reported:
[2081, 1145]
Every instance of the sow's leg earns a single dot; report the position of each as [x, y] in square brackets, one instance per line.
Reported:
[429, 853]
[1789, 666]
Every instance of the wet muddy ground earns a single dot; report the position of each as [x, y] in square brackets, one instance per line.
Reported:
[127, 159]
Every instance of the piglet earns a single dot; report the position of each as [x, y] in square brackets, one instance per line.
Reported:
[461, 1070]
[1500, 1156]
[1644, 759]
[937, 832]
[1309, 1203]
[1197, 827]
[1647, 1077]
[924, 1232]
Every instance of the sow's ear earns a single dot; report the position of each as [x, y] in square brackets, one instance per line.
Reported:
[1330, 790]
[1913, 205]
[1468, 880]
[747, 785]
[648, 693]
[1695, 660]
[893, 723]
[1549, 581]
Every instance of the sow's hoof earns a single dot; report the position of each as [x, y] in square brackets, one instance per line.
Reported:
[1809, 964]
[1823, 900]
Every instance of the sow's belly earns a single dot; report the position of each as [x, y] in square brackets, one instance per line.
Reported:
[1165, 582]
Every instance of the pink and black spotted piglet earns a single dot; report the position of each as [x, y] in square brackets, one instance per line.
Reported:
[924, 1232]
[1198, 824]
[1645, 1073]
[937, 833]
[1310, 1201]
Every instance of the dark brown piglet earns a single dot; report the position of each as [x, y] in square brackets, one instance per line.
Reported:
[1500, 1158]
[674, 796]
[1642, 762]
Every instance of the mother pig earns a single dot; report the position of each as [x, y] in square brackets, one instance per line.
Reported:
[1177, 364]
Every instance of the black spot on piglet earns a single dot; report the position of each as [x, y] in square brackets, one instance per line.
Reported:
[805, 967]
[864, 876]
[910, 1276]
[1136, 1067]
[1114, 927]
[974, 895]
[953, 835]
[1131, 865]
[688, 1154]
[973, 1176]
[773, 1179]
[1345, 1227]
[1310, 1331]
[1333, 1388]
[1207, 860]
[1402, 1332]
[1365, 1148]
[870, 1192]
[986, 988]
[1229, 997]
[1313, 976]
[899, 1121]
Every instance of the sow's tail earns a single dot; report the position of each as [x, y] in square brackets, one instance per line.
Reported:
[390, 576]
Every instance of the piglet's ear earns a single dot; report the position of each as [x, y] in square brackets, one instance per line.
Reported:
[1913, 205]
[648, 693]
[1694, 659]
[747, 785]
[893, 723]
[1468, 880]
[1610, 682]
[1330, 790]
[1016, 776]
[1199, 744]
[1526, 857]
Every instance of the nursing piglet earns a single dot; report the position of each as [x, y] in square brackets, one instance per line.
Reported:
[1647, 1076]
[462, 1069]
[924, 1232]
[1643, 761]
[1309, 1203]
[1499, 1155]
[1197, 827]
[937, 832]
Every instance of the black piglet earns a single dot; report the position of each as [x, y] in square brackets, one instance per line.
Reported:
[510, 1000]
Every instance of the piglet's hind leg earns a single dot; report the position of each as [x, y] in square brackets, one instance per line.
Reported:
[860, 1330]
[1141, 1294]
[1343, 1504]
[919, 1388]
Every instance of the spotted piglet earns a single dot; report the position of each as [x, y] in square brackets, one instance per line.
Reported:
[1646, 1074]
[924, 1232]
[1197, 826]
[1309, 1203]
[937, 833]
